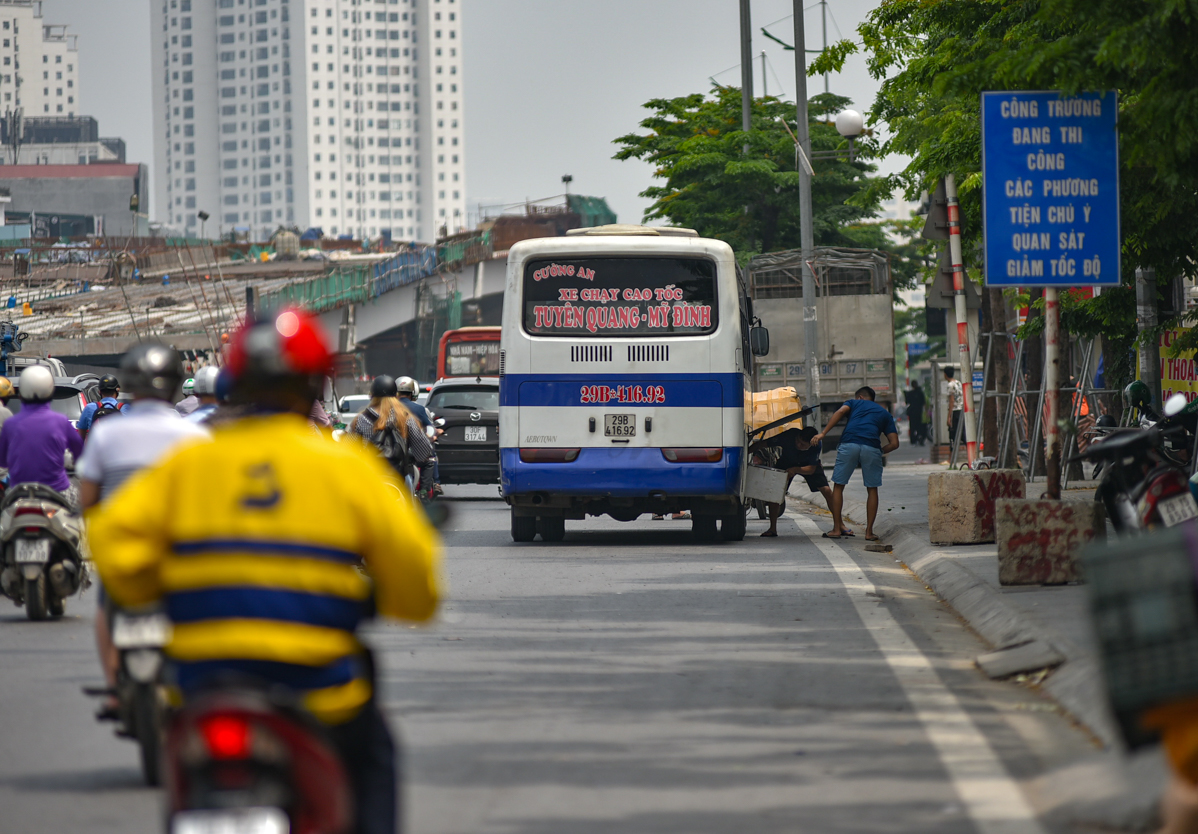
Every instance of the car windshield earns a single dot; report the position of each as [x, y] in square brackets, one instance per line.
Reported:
[474, 399]
[65, 403]
[355, 403]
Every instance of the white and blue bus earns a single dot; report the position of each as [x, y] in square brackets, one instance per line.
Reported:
[625, 369]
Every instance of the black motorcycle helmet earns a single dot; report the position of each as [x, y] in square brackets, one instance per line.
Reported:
[152, 371]
[109, 384]
[383, 386]
[1106, 421]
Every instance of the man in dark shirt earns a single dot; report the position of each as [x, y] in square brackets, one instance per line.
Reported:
[860, 447]
[916, 404]
[798, 456]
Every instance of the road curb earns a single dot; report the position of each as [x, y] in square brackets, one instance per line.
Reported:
[1076, 685]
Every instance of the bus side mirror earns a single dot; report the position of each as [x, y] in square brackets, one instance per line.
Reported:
[759, 341]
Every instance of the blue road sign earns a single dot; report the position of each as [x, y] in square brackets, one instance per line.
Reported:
[1050, 178]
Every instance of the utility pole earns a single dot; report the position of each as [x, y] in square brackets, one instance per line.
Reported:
[746, 70]
[823, 10]
[1146, 319]
[806, 227]
[1052, 388]
[765, 82]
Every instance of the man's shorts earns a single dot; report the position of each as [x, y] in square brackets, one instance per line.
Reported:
[851, 455]
[817, 480]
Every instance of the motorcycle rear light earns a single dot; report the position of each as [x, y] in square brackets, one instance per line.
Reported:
[696, 455]
[549, 455]
[227, 736]
[28, 511]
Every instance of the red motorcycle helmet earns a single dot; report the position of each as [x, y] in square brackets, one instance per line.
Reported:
[286, 354]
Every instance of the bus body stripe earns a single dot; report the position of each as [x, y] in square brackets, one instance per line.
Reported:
[681, 390]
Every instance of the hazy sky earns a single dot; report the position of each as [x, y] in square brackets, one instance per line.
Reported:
[548, 83]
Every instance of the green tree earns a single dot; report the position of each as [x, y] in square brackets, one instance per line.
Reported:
[750, 200]
[935, 59]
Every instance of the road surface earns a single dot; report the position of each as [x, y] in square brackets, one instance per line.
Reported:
[626, 679]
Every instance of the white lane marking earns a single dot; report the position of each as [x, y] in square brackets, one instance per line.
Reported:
[991, 798]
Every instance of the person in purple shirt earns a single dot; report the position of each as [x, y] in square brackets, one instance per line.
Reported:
[33, 441]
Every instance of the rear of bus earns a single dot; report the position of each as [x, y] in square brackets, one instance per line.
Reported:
[623, 382]
[468, 352]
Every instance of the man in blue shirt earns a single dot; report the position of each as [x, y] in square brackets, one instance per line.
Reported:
[109, 389]
[859, 446]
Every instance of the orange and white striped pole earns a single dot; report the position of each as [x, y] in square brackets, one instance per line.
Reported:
[963, 352]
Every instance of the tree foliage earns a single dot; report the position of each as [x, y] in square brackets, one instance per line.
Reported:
[751, 200]
[936, 58]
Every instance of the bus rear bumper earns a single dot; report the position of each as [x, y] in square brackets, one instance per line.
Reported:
[621, 481]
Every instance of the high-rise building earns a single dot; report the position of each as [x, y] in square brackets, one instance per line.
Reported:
[342, 114]
[39, 62]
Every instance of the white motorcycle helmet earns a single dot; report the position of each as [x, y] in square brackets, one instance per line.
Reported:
[189, 385]
[407, 387]
[36, 384]
[205, 381]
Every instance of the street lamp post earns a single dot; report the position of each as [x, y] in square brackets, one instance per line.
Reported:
[806, 229]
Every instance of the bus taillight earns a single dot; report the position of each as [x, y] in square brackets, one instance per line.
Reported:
[697, 455]
[549, 455]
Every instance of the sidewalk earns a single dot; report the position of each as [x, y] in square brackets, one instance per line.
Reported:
[966, 577]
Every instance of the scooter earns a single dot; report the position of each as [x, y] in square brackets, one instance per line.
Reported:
[1143, 486]
[42, 559]
[249, 759]
[139, 637]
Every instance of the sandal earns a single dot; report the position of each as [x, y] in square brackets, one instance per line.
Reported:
[847, 534]
[872, 539]
[830, 536]
[768, 535]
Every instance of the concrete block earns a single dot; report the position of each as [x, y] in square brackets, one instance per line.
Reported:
[1038, 540]
[1027, 657]
[961, 503]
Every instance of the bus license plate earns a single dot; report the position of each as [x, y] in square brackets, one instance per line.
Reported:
[477, 433]
[1177, 509]
[619, 425]
[33, 551]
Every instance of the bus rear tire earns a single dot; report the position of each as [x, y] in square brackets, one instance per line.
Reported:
[732, 527]
[703, 527]
[524, 527]
[553, 528]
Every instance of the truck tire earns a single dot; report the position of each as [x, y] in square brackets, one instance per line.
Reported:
[732, 527]
[703, 527]
[524, 527]
[553, 528]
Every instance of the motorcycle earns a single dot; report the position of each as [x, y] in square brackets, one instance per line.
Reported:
[139, 638]
[41, 539]
[425, 486]
[1143, 484]
[249, 759]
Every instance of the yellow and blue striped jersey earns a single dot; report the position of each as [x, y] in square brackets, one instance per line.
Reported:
[255, 541]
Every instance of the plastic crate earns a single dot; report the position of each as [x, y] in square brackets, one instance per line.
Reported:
[1144, 604]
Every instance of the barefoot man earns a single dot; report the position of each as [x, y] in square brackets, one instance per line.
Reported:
[859, 446]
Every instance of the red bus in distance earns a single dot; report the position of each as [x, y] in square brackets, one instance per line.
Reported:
[468, 351]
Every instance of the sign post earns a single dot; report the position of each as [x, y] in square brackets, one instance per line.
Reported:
[1050, 173]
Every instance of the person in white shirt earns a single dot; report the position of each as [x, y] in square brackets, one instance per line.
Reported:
[956, 403]
[118, 449]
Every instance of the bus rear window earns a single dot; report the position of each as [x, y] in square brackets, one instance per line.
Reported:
[472, 359]
[620, 297]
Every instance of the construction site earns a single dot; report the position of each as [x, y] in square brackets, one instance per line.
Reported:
[86, 301]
